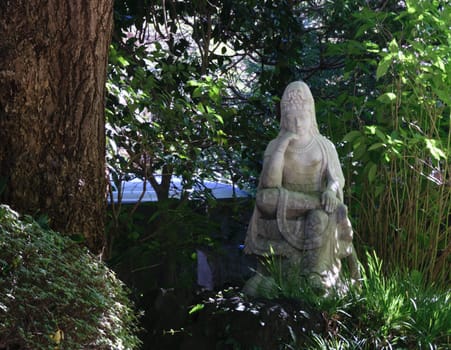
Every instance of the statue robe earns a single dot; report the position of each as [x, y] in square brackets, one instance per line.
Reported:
[320, 252]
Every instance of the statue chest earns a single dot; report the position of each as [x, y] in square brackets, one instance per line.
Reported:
[303, 168]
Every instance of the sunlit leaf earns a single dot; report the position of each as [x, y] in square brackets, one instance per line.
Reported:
[197, 92]
[371, 129]
[388, 97]
[393, 46]
[383, 66]
[123, 61]
[219, 118]
[196, 308]
[435, 151]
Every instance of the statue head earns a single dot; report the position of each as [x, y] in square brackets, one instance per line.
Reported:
[298, 109]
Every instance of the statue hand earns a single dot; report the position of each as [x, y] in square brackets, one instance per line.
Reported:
[329, 201]
[285, 139]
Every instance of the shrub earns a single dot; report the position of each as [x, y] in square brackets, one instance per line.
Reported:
[54, 294]
[394, 311]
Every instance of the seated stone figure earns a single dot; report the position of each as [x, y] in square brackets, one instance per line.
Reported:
[299, 212]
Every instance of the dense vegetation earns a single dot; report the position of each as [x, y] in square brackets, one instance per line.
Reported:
[194, 90]
[55, 294]
[382, 312]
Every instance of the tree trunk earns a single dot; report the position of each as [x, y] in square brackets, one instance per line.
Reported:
[53, 57]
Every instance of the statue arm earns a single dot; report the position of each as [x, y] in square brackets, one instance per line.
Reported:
[330, 197]
[271, 182]
[271, 175]
[332, 184]
[298, 203]
[333, 194]
[273, 162]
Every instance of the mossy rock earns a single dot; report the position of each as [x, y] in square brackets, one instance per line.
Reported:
[55, 295]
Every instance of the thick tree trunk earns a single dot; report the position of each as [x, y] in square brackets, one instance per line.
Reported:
[53, 57]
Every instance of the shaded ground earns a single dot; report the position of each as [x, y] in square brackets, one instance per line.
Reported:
[226, 320]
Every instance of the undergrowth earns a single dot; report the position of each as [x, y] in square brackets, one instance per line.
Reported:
[55, 295]
[381, 312]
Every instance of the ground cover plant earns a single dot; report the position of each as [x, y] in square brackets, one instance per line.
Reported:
[55, 295]
[395, 311]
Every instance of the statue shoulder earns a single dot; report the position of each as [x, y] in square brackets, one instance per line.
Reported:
[328, 146]
[326, 142]
[272, 145]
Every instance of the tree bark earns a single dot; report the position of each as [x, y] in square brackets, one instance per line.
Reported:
[53, 58]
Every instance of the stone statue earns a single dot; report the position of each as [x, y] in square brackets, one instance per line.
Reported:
[299, 212]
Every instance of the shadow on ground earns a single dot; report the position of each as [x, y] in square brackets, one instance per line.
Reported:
[226, 320]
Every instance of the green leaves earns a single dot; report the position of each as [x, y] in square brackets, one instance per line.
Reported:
[162, 115]
[196, 308]
[387, 98]
[384, 65]
[39, 295]
[398, 151]
[436, 152]
[352, 135]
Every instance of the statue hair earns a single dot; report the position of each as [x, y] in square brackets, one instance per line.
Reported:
[298, 94]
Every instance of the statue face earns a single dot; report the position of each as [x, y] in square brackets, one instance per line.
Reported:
[299, 120]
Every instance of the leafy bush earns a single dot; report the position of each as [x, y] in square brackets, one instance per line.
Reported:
[54, 294]
[399, 141]
[385, 312]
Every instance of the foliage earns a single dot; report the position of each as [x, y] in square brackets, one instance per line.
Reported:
[54, 294]
[288, 282]
[162, 119]
[394, 312]
[195, 85]
[167, 115]
[399, 151]
[397, 311]
[166, 110]
[194, 90]
[234, 320]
